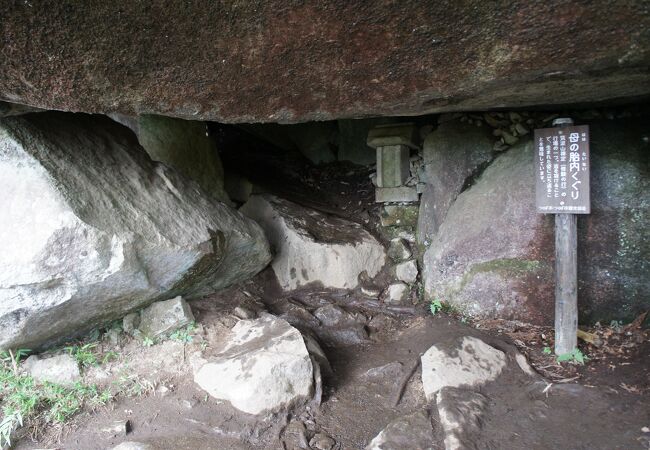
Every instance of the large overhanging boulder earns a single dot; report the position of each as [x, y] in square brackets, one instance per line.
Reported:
[91, 228]
[276, 61]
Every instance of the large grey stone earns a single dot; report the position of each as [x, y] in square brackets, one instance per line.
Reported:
[452, 154]
[60, 369]
[312, 247]
[93, 229]
[412, 431]
[264, 366]
[493, 254]
[185, 146]
[467, 362]
[165, 316]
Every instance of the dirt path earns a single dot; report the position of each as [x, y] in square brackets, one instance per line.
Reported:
[359, 398]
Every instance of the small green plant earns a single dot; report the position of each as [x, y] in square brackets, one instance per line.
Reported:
[576, 356]
[616, 325]
[9, 356]
[22, 398]
[435, 307]
[147, 341]
[9, 423]
[84, 354]
[546, 350]
[109, 356]
[184, 334]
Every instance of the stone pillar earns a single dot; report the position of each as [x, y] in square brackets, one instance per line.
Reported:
[392, 142]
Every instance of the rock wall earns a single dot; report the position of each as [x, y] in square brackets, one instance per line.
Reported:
[279, 61]
[492, 255]
[93, 228]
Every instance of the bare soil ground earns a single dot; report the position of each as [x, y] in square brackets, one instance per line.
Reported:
[604, 408]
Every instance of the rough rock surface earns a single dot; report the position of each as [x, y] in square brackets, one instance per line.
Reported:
[467, 362]
[185, 146]
[273, 61]
[60, 369]
[502, 265]
[399, 250]
[407, 271]
[413, 431]
[396, 294]
[264, 366]
[93, 229]
[452, 154]
[460, 413]
[312, 247]
[163, 317]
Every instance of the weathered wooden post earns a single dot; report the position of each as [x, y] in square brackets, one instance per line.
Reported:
[562, 161]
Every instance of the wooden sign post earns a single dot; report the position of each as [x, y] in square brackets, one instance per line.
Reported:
[562, 163]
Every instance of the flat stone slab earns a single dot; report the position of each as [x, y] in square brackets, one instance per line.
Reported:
[467, 361]
[60, 369]
[396, 194]
[392, 134]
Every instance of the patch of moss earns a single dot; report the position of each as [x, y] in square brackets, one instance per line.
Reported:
[508, 267]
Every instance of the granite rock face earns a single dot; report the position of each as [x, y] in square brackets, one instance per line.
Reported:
[492, 255]
[273, 61]
[93, 229]
[453, 154]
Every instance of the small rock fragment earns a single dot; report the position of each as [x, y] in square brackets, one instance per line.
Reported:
[243, 313]
[131, 322]
[332, 315]
[407, 271]
[399, 250]
[397, 293]
[521, 129]
[118, 428]
[393, 371]
[321, 441]
[61, 369]
[371, 292]
[164, 317]
[509, 138]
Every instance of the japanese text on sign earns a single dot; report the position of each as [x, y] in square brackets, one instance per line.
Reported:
[562, 169]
